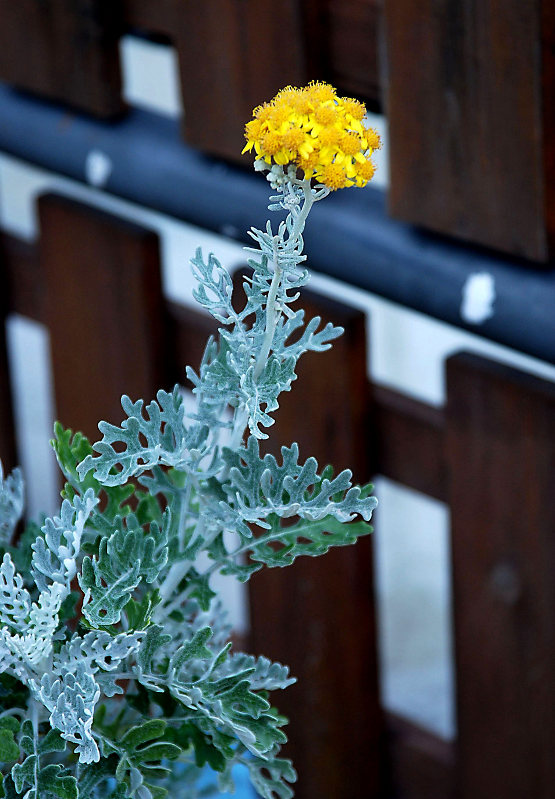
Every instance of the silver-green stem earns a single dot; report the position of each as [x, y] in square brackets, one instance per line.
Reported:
[35, 723]
[271, 322]
[272, 313]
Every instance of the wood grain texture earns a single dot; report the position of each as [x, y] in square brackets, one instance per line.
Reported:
[420, 764]
[403, 425]
[103, 311]
[501, 454]
[8, 449]
[234, 56]
[318, 615]
[470, 128]
[144, 16]
[65, 50]
[354, 30]
[23, 282]
[187, 331]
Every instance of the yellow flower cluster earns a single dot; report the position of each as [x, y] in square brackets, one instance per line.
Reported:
[322, 134]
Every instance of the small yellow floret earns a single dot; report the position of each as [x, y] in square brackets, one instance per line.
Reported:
[262, 112]
[365, 171]
[320, 92]
[333, 176]
[272, 142]
[350, 143]
[293, 139]
[374, 141]
[301, 103]
[308, 163]
[279, 114]
[329, 137]
[325, 115]
[253, 128]
[354, 108]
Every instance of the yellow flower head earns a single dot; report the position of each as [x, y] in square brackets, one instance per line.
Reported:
[323, 135]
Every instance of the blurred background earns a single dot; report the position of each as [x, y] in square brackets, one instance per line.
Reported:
[425, 656]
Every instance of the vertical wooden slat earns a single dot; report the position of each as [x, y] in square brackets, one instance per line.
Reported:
[421, 765]
[234, 56]
[354, 28]
[22, 280]
[547, 22]
[103, 311]
[468, 126]
[8, 454]
[318, 615]
[66, 50]
[501, 454]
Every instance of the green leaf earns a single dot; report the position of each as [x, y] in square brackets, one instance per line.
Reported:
[270, 777]
[201, 590]
[306, 537]
[57, 781]
[281, 544]
[24, 773]
[127, 556]
[205, 752]
[11, 504]
[155, 639]
[191, 650]
[9, 750]
[68, 608]
[168, 442]
[258, 487]
[51, 742]
[141, 753]
[140, 612]
[7, 788]
[70, 450]
[93, 775]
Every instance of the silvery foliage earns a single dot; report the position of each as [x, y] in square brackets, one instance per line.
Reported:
[11, 504]
[114, 649]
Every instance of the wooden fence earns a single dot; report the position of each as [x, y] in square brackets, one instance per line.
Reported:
[468, 87]
[94, 281]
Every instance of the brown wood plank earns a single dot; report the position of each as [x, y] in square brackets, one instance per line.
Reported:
[149, 17]
[8, 449]
[103, 310]
[421, 764]
[66, 50]
[547, 22]
[188, 330]
[354, 28]
[403, 425]
[468, 125]
[234, 56]
[318, 615]
[501, 451]
[23, 277]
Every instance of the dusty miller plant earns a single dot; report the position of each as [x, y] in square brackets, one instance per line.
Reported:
[117, 678]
